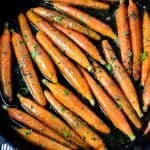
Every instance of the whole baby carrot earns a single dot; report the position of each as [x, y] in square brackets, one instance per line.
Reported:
[72, 102]
[27, 69]
[66, 67]
[122, 77]
[76, 123]
[42, 60]
[88, 20]
[136, 38]
[62, 41]
[109, 107]
[83, 42]
[56, 17]
[6, 64]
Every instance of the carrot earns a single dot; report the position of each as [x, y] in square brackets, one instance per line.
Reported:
[122, 77]
[118, 96]
[109, 107]
[50, 120]
[56, 17]
[147, 130]
[84, 3]
[42, 60]
[88, 20]
[34, 124]
[6, 64]
[124, 36]
[146, 46]
[136, 37]
[72, 102]
[67, 68]
[62, 41]
[27, 69]
[83, 42]
[39, 140]
[76, 123]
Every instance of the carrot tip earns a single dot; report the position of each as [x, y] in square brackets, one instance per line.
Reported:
[90, 69]
[132, 137]
[140, 115]
[44, 81]
[19, 95]
[145, 108]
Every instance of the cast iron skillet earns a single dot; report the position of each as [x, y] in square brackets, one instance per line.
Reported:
[116, 140]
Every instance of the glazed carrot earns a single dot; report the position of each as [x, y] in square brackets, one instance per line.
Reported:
[146, 46]
[136, 38]
[146, 94]
[147, 130]
[42, 60]
[109, 107]
[66, 67]
[56, 17]
[118, 96]
[27, 69]
[39, 140]
[62, 41]
[6, 64]
[50, 120]
[124, 36]
[72, 102]
[83, 42]
[122, 77]
[84, 3]
[85, 18]
[34, 124]
[76, 123]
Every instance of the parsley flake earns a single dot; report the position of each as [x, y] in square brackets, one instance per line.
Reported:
[66, 92]
[144, 55]
[58, 18]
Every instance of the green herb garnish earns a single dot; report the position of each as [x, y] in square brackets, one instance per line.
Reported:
[28, 132]
[66, 92]
[58, 18]
[63, 109]
[108, 67]
[34, 52]
[66, 133]
[144, 55]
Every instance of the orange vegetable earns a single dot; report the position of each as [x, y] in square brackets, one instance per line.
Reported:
[27, 69]
[83, 42]
[109, 107]
[146, 47]
[6, 64]
[122, 77]
[50, 120]
[56, 17]
[88, 20]
[72, 102]
[42, 60]
[116, 93]
[124, 36]
[67, 68]
[136, 38]
[76, 123]
[34, 124]
[62, 41]
[39, 140]
[147, 130]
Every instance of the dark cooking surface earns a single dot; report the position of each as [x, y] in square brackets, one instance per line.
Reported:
[116, 140]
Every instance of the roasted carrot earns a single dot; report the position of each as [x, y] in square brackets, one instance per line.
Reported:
[83, 42]
[62, 41]
[146, 94]
[85, 18]
[50, 120]
[72, 102]
[27, 69]
[146, 47]
[34, 124]
[122, 77]
[67, 68]
[109, 107]
[118, 96]
[56, 17]
[39, 140]
[42, 60]
[147, 130]
[84, 3]
[6, 64]
[124, 36]
[136, 38]
[76, 123]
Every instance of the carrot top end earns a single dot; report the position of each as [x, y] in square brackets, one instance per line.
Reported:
[145, 108]
[19, 95]
[132, 137]
[44, 81]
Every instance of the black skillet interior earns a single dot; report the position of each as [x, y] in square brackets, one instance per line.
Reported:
[114, 141]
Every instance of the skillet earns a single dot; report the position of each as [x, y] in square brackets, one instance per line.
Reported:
[114, 141]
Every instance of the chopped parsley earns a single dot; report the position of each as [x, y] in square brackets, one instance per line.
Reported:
[63, 109]
[108, 67]
[34, 53]
[66, 92]
[144, 55]
[22, 42]
[58, 18]
[28, 132]
[133, 15]
[66, 133]
[125, 33]
[119, 106]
